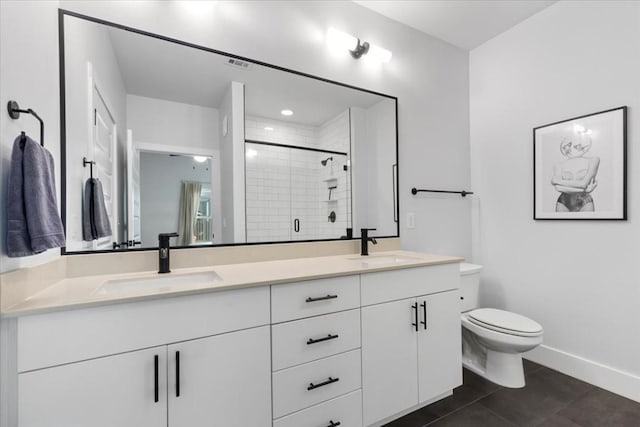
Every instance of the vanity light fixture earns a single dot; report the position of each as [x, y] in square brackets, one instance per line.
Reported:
[286, 112]
[339, 41]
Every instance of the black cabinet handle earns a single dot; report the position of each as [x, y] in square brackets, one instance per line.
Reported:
[177, 374]
[296, 225]
[321, 298]
[317, 340]
[322, 384]
[155, 378]
[333, 424]
[415, 312]
[424, 314]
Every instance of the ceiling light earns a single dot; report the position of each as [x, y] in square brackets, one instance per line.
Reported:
[200, 159]
[286, 112]
[340, 41]
[269, 128]
[251, 154]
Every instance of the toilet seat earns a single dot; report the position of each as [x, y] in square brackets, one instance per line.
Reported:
[505, 322]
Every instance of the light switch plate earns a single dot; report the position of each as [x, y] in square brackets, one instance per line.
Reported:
[411, 220]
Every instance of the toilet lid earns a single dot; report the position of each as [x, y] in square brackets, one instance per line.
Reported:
[505, 321]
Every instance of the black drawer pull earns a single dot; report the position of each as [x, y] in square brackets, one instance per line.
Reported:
[424, 313]
[321, 298]
[177, 374]
[415, 312]
[317, 340]
[155, 379]
[322, 384]
[333, 424]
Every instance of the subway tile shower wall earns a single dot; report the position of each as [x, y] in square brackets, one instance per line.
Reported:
[284, 184]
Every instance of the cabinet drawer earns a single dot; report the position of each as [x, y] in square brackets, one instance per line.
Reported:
[306, 385]
[310, 339]
[63, 337]
[410, 282]
[345, 410]
[313, 297]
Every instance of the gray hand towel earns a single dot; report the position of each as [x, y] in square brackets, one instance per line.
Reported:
[33, 222]
[95, 221]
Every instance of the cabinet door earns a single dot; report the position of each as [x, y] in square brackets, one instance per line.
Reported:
[224, 380]
[105, 392]
[439, 344]
[389, 359]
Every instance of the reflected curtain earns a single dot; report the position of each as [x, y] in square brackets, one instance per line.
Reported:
[189, 201]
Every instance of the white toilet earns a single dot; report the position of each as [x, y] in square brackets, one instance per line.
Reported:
[493, 340]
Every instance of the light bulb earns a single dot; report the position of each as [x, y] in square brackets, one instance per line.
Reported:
[340, 41]
[379, 53]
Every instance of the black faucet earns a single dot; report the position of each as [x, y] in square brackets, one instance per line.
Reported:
[365, 239]
[163, 252]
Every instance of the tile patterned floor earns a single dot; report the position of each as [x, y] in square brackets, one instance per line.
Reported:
[550, 399]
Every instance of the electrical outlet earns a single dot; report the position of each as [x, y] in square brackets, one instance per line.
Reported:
[411, 220]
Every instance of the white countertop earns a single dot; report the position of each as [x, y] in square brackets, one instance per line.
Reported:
[82, 292]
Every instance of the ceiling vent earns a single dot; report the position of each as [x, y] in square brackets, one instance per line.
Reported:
[243, 65]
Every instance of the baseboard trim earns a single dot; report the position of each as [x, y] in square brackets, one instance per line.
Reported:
[603, 376]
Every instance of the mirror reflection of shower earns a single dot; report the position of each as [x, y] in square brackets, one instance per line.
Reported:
[324, 162]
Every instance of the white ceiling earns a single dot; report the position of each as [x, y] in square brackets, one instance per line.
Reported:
[159, 69]
[463, 23]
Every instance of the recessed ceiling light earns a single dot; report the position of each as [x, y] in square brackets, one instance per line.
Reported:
[286, 112]
[269, 128]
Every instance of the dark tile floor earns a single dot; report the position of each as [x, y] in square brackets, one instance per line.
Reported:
[550, 399]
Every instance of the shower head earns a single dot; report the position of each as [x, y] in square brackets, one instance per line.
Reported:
[324, 162]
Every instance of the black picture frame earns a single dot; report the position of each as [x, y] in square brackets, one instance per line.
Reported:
[580, 167]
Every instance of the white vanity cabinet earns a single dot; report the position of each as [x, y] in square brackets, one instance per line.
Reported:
[102, 378]
[352, 350]
[411, 351]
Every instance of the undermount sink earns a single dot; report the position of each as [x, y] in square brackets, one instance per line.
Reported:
[382, 260]
[164, 282]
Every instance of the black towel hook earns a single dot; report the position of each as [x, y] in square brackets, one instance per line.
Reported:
[86, 162]
[14, 112]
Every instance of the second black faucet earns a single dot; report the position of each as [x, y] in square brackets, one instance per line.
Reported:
[365, 239]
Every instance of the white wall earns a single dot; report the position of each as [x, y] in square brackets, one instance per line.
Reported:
[28, 75]
[429, 77]
[232, 165]
[578, 279]
[169, 123]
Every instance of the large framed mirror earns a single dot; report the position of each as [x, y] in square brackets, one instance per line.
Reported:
[159, 135]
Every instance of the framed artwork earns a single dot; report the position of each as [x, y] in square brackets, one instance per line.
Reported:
[579, 167]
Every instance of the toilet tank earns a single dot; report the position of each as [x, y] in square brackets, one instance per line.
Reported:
[469, 286]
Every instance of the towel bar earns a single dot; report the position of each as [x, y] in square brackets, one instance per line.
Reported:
[463, 193]
[14, 112]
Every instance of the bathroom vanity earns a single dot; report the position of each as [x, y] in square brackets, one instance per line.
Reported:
[339, 340]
